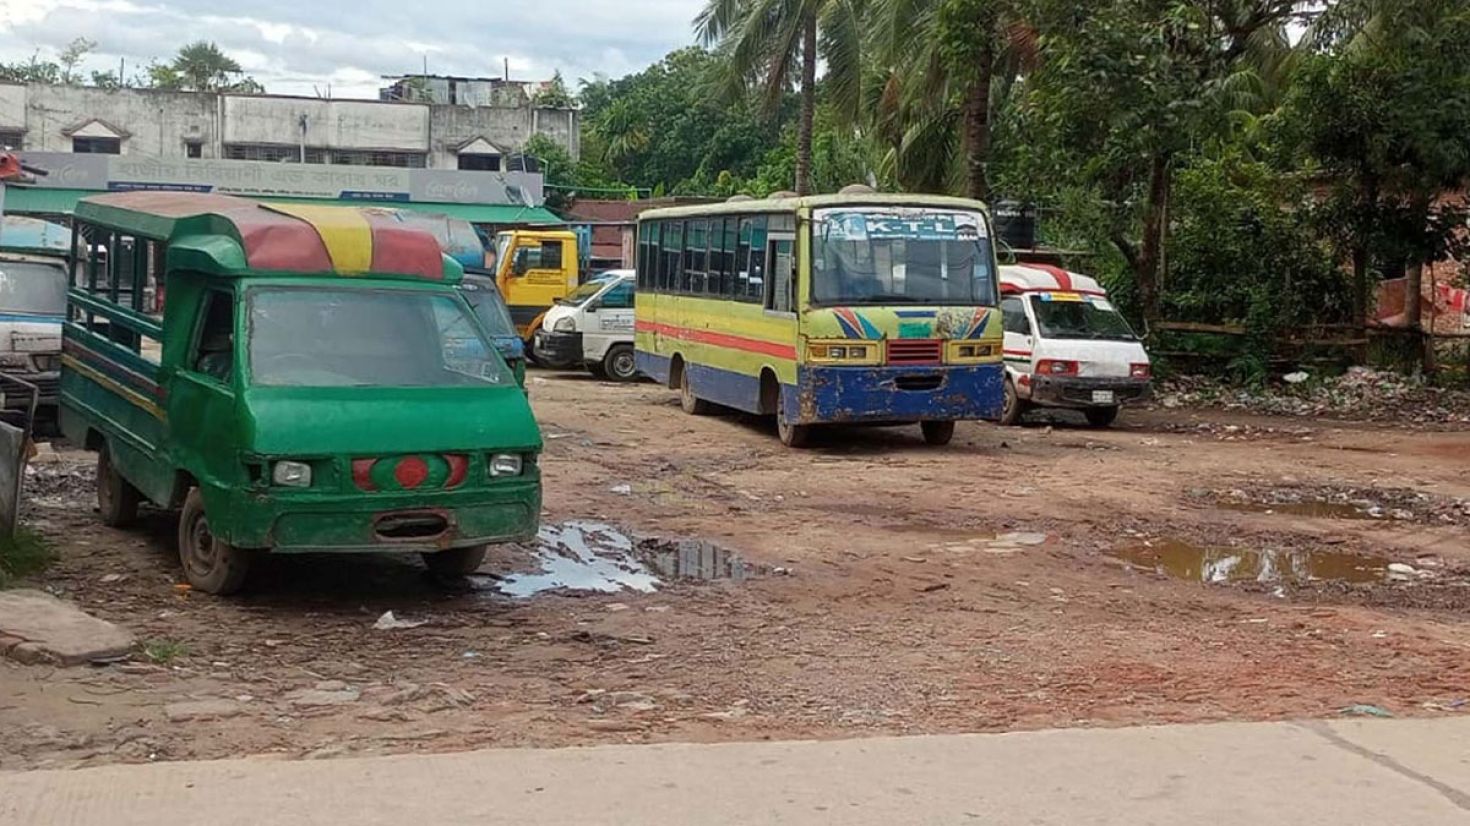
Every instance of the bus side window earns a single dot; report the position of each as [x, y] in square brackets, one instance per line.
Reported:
[730, 228]
[756, 286]
[782, 277]
[742, 260]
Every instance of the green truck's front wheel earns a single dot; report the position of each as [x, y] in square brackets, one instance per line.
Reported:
[211, 564]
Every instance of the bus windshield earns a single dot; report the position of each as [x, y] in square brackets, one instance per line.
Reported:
[1085, 318]
[322, 337]
[901, 255]
[32, 288]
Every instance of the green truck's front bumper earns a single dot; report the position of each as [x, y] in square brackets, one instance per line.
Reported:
[307, 522]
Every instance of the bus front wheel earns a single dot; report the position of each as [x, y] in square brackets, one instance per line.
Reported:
[937, 433]
[792, 435]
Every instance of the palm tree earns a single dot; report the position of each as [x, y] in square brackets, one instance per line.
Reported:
[952, 64]
[765, 40]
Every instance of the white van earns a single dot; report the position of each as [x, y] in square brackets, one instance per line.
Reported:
[1067, 346]
[593, 326]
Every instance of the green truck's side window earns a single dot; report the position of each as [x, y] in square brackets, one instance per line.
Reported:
[213, 354]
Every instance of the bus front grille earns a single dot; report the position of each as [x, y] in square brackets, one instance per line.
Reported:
[914, 351]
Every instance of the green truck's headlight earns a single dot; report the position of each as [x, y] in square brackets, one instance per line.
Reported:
[506, 464]
[292, 474]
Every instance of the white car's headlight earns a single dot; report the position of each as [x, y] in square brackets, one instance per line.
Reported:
[565, 325]
[506, 464]
[292, 474]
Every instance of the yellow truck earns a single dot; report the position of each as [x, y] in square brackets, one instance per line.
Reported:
[534, 267]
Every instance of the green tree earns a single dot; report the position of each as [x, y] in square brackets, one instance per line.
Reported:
[72, 56]
[555, 95]
[201, 67]
[1381, 111]
[1126, 88]
[34, 70]
[774, 39]
[667, 125]
[951, 64]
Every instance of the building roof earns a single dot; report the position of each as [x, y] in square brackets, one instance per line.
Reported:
[225, 235]
[35, 200]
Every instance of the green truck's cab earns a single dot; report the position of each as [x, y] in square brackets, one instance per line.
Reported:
[315, 382]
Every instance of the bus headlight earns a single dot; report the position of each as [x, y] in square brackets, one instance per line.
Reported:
[970, 352]
[843, 352]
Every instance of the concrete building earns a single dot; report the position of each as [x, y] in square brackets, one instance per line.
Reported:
[484, 133]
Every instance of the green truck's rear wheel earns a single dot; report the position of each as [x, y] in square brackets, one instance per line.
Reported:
[211, 564]
[117, 499]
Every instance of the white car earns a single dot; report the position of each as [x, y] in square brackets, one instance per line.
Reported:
[593, 326]
[1067, 346]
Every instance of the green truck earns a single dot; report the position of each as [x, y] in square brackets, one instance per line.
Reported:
[294, 379]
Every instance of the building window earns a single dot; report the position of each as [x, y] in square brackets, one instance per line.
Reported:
[480, 163]
[97, 146]
[193, 149]
[279, 153]
[366, 157]
[11, 138]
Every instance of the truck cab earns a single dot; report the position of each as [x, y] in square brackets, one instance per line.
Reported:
[534, 267]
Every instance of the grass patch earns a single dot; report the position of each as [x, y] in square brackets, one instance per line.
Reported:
[163, 652]
[23, 555]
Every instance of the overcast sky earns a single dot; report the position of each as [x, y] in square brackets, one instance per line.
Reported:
[296, 46]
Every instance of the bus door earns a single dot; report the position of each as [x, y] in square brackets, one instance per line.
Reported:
[780, 273]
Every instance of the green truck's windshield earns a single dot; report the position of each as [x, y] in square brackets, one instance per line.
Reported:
[311, 337]
[1080, 319]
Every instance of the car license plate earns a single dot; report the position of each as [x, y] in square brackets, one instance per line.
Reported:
[1102, 397]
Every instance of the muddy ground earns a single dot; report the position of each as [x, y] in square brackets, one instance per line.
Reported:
[892, 588]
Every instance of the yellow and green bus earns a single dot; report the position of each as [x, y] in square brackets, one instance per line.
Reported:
[858, 307]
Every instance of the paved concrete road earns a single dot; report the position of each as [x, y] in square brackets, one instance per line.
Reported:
[1341, 773]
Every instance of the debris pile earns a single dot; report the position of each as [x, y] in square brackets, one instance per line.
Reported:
[1361, 393]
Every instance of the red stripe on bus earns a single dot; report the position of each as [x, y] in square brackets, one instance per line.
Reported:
[749, 345]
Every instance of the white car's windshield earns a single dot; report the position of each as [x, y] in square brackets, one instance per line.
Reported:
[1080, 317]
[309, 337]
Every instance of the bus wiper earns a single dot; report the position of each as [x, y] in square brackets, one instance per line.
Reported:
[906, 299]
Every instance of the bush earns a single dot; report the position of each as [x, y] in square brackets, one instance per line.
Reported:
[23, 555]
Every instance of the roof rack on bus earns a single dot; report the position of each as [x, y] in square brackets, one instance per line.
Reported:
[857, 189]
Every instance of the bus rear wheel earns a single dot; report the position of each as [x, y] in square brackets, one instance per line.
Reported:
[937, 433]
[692, 404]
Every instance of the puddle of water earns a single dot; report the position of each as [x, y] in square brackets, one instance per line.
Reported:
[1313, 509]
[1199, 564]
[593, 556]
[696, 559]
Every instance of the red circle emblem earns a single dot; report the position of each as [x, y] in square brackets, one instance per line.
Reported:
[411, 472]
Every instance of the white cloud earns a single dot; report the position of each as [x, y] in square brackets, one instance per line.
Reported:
[301, 48]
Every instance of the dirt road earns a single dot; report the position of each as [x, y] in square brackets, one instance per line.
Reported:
[886, 587]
